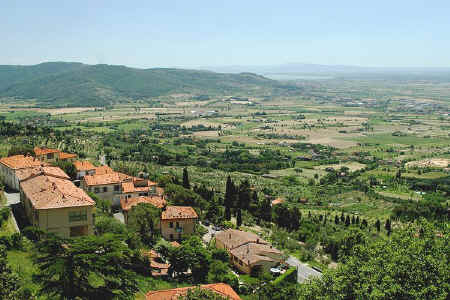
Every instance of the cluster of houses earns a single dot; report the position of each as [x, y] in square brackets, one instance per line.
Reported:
[56, 205]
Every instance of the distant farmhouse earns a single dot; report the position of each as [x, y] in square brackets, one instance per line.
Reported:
[52, 155]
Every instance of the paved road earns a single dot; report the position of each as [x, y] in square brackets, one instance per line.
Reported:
[209, 235]
[12, 199]
[304, 271]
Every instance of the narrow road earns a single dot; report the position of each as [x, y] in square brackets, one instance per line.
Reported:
[12, 199]
[304, 272]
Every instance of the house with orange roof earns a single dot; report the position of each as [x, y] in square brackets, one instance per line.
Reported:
[56, 205]
[277, 201]
[114, 186]
[127, 204]
[83, 168]
[52, 155]
[248, 252]
[9, 166]
[177, 222]
[222, 289]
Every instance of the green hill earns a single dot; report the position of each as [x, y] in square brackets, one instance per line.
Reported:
[75, 84]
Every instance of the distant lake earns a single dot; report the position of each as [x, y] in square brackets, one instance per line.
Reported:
[297, 77]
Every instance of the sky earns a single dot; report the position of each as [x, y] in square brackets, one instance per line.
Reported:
[190, 33]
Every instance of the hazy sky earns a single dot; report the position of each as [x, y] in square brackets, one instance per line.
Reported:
[193, 33]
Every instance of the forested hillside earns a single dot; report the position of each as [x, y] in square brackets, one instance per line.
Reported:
[75, 84]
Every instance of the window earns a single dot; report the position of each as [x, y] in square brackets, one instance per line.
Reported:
[171, 236]
[171, 224]
[50, 156]
[178, 224]
[142, 194]
[97, 190]
[78, 231]
[116, 188]
[105, 189]
[76, 216]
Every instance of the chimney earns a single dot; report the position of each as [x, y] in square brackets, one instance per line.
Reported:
[257, 241]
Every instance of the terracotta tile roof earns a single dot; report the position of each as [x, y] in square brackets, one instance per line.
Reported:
[104, 179]
[252, 253]
[64, 155]
[222, 289]
[157, 201]
[175, 244]
[20, 162]
[232, 238]
[103, 170]
[42, 151]
[277, 201]
[46, 192]
[24, 174]
[84, 165]
[178, 212]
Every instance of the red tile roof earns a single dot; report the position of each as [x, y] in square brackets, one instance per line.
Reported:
[64, 155]
[222, 289]
[47, 192]
[277, 201]
[42, 151]
[103, 170]
[105, 179]
[252, 252]
[20, 162]
[83, 165]
[178, 212]
[232, 238]
[157, 201]
[24, 174]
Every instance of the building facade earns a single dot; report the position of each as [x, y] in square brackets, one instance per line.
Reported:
[178, 222]
[9, 166]
[57, 206]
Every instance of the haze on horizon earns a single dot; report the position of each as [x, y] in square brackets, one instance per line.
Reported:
[193, 34]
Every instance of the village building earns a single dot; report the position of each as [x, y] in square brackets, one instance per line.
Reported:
[222, 289]
[177, 222]
[52, 155]
[248, 252]
[277, 201]
[9, 166]
[127, 204]
[56, 205]
[157, 265]
[83, 168]
[114, 186]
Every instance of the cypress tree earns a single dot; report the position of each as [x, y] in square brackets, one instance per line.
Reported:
[342, 218]
[353, 220]
[378, 225]
[186, 183]
[357, 220]
[336, 220]
[387, 225]
[239, 218]
[347, 221]
[228, 201]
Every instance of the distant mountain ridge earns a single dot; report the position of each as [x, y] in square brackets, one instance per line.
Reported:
[77, 84]
[322, 69]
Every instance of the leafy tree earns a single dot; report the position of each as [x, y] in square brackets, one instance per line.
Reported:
[186, 183]
[88, 267]
[67, 167]
[413, 264]
[144, 219]
[200, 294]
[8, 280]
